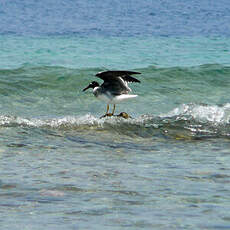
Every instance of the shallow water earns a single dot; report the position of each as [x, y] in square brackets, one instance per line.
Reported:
[151, 172]
[66, 177]
[62, 167]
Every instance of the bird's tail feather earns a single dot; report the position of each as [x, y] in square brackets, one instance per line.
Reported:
[124, 97]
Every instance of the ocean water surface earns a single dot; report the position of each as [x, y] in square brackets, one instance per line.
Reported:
[166, 167]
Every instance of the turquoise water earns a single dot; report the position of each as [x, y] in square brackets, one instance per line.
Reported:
[62, 167]
[112, 52]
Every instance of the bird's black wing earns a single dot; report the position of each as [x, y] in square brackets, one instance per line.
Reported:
[128, 78]
[113, 74]
[115, 87]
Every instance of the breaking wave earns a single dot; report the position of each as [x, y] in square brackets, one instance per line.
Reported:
[188, 121]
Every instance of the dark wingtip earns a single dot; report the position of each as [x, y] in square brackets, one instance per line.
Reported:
[136, 73]
[116, 72]
[129, 78]
[134, 80]
[100, 73]
[125, 74]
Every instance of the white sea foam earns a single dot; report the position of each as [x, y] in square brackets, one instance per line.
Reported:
[197, 113]
[202, 113]
[197, 119]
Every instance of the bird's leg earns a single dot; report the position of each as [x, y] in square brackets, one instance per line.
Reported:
[107, 112]
[114, 106]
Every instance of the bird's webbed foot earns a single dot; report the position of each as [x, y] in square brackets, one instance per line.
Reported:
[122, 114]
[107, 115]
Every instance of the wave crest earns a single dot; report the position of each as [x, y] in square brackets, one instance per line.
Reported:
[185, 121]
[202, 113]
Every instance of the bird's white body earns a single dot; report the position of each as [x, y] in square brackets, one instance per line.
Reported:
[114, 89]
[111, 99]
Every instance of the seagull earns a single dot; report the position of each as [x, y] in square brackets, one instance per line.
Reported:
[115, 87]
